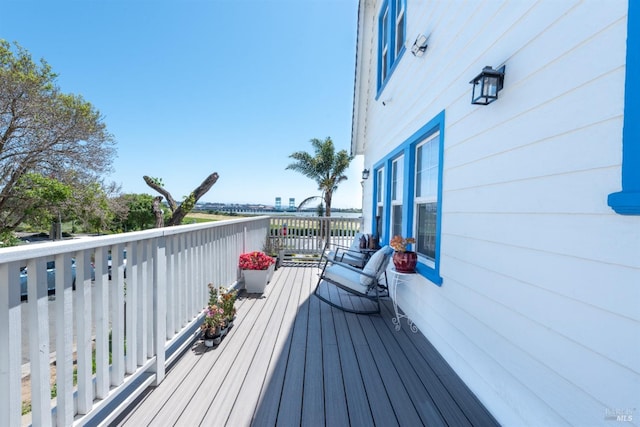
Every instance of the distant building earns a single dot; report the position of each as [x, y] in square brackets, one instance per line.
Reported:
[292, 204]
[278, 203]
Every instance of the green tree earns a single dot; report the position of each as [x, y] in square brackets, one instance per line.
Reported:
[38, 199]
[326, 167]
[138, 214]
[43, 131]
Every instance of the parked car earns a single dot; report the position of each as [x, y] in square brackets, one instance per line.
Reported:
[124, 262]
[51, 278]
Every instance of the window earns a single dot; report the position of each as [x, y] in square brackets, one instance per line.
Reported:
[391, 38]
[413, 203]
[426, 197]
[396, 196]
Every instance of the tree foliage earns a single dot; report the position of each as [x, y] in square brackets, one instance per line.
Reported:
[44, 132]
[326, 167]
[134, 212]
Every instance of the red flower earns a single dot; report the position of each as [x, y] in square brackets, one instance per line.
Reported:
[255, 261]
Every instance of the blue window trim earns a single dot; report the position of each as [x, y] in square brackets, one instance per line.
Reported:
[393, 60]
[408, 149]
[627, 201]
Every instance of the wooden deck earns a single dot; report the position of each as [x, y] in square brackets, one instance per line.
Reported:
[292, 360]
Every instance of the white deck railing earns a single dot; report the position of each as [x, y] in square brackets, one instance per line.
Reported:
[304, 235]
[153, 300]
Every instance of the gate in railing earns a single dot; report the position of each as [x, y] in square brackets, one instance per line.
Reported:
[156, 280]
[304, 238]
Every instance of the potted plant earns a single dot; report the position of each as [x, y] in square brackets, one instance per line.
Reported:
[212, 325]
[227, 302]
[404, 260]
[255, 268]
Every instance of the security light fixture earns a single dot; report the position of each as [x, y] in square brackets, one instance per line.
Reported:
[419, 46]
[365, 174]
[486, 85]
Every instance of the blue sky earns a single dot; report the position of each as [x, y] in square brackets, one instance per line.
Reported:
[194, 87]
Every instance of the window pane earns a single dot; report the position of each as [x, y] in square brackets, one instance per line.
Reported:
[396, 179]
[384, 65]
[426, 235]
[380, 186]
[379, 218]
[396, 217]
[427, 169]
[400, 33]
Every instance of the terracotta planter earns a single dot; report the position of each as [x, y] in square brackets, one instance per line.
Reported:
[405, 262]
[255, 280]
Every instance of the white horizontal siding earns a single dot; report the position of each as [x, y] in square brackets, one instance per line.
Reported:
[539, 310]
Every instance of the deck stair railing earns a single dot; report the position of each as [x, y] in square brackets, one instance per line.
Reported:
[128, 317]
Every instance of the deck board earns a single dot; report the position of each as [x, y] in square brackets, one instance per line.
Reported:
[291, 359]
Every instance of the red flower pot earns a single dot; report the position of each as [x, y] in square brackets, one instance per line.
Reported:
[405, 262]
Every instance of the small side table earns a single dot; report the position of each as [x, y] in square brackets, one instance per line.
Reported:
[398, 279]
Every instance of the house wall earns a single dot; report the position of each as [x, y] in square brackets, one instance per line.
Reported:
[539, 307]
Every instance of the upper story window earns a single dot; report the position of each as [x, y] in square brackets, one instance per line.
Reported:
[391, 38]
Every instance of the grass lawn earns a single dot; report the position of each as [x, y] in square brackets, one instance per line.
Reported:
[198, 217]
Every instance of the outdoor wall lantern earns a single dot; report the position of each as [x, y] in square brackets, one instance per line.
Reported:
[419, 46]
[486, 85]
[365, 174]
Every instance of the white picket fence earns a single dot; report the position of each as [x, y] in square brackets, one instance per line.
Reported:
[152, 303]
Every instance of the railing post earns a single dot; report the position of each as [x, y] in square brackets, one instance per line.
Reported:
[11, 344]
[160, 307]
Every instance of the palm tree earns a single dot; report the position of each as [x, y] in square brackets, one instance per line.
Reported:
[326, 167]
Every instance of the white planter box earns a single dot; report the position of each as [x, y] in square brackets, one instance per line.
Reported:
[255, 280]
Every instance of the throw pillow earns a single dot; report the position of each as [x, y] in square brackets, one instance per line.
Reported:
[375, 265]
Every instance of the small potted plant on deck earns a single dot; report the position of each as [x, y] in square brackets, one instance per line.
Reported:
[212, 325]
[404, 260]
[255, 268]
[227, 302]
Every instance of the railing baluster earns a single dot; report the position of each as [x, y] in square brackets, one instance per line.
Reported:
[101, 310]
[148, 298]
[159, 307]
[64, 339]
[83, 327]
[11, 343]
[131, 310]
[39, 340]
[116, 291]
[142, 305]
